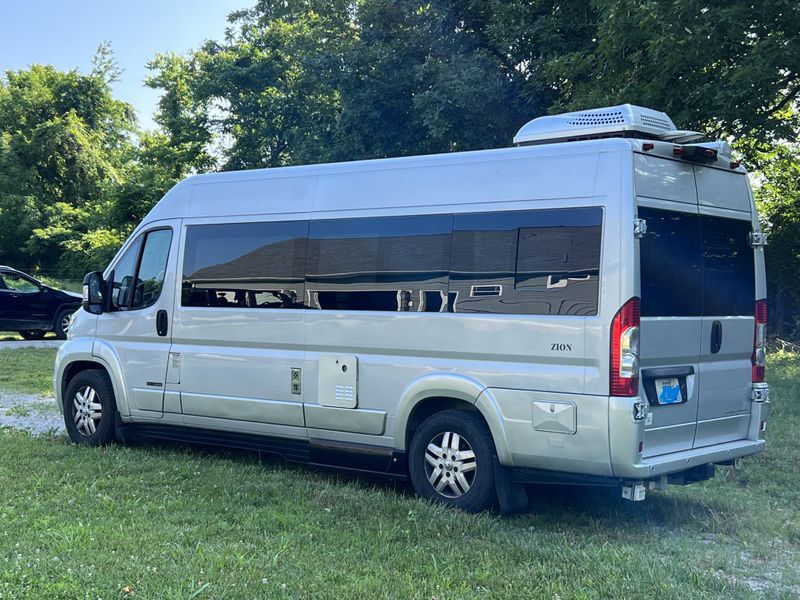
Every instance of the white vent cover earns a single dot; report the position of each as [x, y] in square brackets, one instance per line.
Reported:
[596, 122]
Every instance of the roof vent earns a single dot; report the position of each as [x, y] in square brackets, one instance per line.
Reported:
[625, 120]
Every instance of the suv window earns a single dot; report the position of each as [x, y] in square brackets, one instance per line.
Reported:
[18, 283]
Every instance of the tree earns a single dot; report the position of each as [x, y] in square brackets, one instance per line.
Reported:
[62, 140]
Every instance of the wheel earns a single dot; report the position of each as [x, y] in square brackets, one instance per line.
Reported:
[89, 407]
[451, 461]
[32, 334]
[62, 322]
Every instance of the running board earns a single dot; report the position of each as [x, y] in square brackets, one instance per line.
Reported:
[356, 458]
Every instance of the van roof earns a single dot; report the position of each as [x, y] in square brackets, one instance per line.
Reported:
[559, 170]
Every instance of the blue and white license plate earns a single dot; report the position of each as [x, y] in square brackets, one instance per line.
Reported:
[668, 391]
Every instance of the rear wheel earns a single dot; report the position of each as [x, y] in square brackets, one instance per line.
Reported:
[451, 461]
[32, 334]
[89, 406]
[62, 322]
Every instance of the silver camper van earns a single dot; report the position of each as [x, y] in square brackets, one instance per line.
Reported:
[585, 307]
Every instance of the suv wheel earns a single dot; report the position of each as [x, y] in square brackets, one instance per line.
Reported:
[451, 461]
[89, 406]
[32, 334]
[62, 322]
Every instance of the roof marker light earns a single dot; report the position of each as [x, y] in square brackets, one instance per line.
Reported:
[677, 150]
[647, 146]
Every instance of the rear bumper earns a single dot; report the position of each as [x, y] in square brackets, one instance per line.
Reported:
[627, 433]
[680, 461]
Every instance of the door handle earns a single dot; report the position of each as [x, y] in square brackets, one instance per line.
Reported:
[716, 337]
[162, 323]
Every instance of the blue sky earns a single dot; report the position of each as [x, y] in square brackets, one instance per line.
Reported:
[66, 34]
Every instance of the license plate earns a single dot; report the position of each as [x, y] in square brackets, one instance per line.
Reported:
[668, 391]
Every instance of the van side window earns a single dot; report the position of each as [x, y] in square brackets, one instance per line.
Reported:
[245, 265]
[539, 262]
[379, 263]
[123, 275]
[152, 268]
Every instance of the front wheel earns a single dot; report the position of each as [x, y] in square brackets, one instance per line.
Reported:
[451, 461]
[89, 407]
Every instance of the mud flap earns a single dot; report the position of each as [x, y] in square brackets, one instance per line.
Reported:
[512, 497]
[122, 431]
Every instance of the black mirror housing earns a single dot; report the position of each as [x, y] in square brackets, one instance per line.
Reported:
[94, 293]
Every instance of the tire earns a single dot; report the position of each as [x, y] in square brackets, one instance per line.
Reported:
[62, 322]
[466, 481]
[89, 408]
[32, 334]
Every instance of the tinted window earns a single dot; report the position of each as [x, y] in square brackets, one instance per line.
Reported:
[123, 275]
[531, 262]
[695, 265]
[392, 263]
[152, 268]
[245, 265]
[728, 267]
[671, 281]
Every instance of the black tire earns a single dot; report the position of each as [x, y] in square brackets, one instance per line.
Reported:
[58, 327]
[84, 428]
[32, 334]
[473, 434]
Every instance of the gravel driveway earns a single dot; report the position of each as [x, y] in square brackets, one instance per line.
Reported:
[31, 344]
[37, 414]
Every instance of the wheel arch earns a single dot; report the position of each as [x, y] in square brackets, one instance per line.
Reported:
[73, 358]
[435, 392]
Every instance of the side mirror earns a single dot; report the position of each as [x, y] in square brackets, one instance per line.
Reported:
[94, 293]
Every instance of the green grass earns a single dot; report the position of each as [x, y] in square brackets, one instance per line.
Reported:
[170, 522]
[27, 370]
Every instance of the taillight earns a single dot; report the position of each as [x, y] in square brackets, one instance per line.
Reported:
[625, 350]
[759, 358]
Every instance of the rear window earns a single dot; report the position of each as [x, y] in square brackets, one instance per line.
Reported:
[695, 265]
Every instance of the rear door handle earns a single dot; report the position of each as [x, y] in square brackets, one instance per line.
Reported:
[162, 323]
[716, 337]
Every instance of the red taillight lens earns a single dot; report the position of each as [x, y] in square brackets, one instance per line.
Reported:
[759, 358]
[624, 379]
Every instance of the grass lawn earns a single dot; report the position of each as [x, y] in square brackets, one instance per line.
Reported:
[165, 521]
[27, 370]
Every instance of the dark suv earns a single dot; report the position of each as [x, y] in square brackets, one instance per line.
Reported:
[32, 308]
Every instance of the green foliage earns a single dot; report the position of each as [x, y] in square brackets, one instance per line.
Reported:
[778, 198]
[309, 81]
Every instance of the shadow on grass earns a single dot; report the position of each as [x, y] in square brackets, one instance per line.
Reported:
[550, 507]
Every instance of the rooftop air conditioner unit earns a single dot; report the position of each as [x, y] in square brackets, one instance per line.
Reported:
[625, 120]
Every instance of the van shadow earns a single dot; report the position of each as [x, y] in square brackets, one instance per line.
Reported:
[550, 507]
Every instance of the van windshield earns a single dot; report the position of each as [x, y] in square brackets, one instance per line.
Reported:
[695, 265]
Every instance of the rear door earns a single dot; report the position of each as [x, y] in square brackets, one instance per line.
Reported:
[728, 306]
[697, 287]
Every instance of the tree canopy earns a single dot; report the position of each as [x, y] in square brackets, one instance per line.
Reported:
[309, 81]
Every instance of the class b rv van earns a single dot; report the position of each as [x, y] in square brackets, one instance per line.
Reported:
[586, 307]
